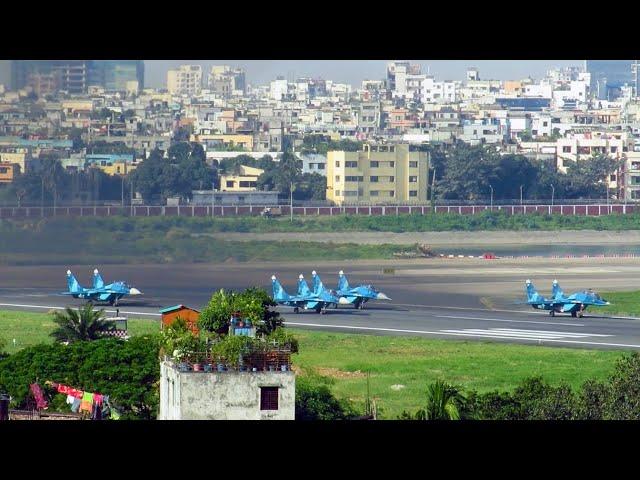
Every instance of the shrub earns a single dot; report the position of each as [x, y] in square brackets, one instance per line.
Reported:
[314, 401]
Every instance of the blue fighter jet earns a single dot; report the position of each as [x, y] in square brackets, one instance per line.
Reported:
[356, 296]
[305, 298]
[575, 304]
[110, 293]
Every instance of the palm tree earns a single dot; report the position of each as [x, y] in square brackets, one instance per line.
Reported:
[81, 324]
[443, 402]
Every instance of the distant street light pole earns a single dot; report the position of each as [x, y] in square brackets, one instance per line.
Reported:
[491, 187]
[213, 198]
[553, 193]
[521, 194]
[42, 199]
[291, 201]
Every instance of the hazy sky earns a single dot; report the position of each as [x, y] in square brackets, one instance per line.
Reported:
[348, 71]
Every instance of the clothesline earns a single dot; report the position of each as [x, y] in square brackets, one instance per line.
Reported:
[81, 401]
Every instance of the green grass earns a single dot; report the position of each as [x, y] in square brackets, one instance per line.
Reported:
[342, 361]
[30, 328]
[416, 362]
[622, 303]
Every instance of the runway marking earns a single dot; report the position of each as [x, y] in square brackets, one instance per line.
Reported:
[526, 334]
[63, 308]
[428, 332]
[509, 321]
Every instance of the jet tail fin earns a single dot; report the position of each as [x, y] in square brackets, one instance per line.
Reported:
[343, 283]
[556, 290]
[318, 287]
[532, 294]
[303, 287]
[97, 279]
[278, 292]
[72, 283]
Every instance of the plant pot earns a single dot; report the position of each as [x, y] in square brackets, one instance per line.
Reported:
[183, 367]
[208, 367]
[283, 368]
[197, 367]
[220, 367]
[254, 369]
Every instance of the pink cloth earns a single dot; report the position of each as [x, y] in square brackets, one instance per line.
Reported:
[39, 396]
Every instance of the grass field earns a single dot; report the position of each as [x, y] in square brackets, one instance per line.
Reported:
[29, 328]
[622, 303]
[400, 368]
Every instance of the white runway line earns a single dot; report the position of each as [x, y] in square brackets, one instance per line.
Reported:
[509, 321]
[526, 334]
[431, 332]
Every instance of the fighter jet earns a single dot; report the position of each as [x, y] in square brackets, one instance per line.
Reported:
[110, 293]
[357, 296]
[575, 303]
[305, 298]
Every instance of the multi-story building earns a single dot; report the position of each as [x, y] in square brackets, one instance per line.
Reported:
[185, 80]
[404, 79]
[607, 76]
[226, 81]
[245, 180]
[378, 174]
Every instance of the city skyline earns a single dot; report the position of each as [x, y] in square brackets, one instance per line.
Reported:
[346, 71]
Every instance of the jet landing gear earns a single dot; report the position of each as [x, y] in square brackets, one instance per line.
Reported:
[578, 313]
[552, 313]
[358, 304]
[296, 310]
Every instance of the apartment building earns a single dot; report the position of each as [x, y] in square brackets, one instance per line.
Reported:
[185, 80]
[226, 81]
[245, 180]
[583, 143]
[378, 175]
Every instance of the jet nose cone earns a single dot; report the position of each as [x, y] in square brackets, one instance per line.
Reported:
[382, 296]
[134, 291]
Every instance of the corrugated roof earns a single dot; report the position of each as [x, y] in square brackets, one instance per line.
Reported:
[177, 307]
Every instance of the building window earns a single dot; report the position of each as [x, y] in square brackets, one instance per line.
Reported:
[230, 183]
[337, 163]
[373, 193]
[337, 193]
[392, 164]
[374, 164]
[614, 149]
[392, 179]
[321, 166]
[413, 193]
[351, 164]
[613, 178]
[566, 149]
[268, 398]
[413, 179]
[373, 178]
[392, 193]
[413, 164]
[337, 178]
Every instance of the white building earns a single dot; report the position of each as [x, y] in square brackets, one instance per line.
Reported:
[185, 80]
[226, 395]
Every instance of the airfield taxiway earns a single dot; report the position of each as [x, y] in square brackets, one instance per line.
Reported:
[462, 298]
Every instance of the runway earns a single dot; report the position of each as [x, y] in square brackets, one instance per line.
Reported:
[464, 299]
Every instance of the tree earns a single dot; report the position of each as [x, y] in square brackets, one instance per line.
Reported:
[253, 303]
[127, 371]
[623, 399]
[443, 402]
[81, 324]
[316, 402]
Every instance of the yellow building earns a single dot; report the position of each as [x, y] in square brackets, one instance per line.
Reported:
[379, 174]
[245, 181]
[19, 156]
[243, 141]
[7, 172]
[118, 168]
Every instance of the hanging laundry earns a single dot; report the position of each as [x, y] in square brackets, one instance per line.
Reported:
[70, 399]
[76, 405]
[97, 399]
[41, 403]
[87, 402]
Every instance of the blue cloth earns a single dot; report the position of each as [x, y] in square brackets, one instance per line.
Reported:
[75, 406]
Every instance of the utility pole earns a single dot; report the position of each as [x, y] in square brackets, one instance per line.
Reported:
[553, 192]
[521, 194]
[433, 189]
[491, 187]
[291, 201]
[42, 199]
[213, 198]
